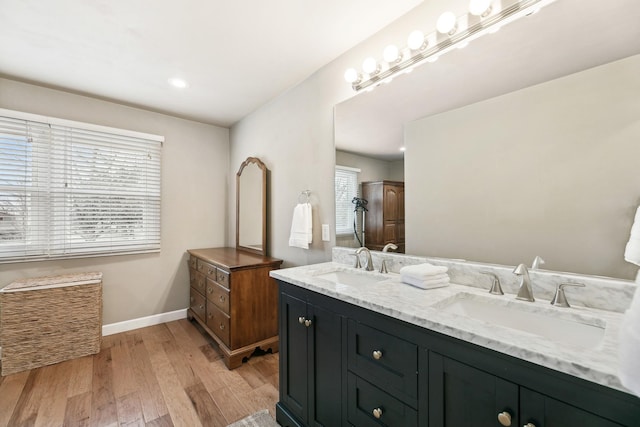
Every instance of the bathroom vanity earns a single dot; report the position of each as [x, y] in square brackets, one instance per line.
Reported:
[362, 349]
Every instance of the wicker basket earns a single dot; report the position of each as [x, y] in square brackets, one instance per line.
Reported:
[50, 319]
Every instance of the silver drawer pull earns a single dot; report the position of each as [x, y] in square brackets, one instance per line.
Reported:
[222, 326]
[301, 320]
[377, 354]
[307, 323]
[377, 413]
[504, 418]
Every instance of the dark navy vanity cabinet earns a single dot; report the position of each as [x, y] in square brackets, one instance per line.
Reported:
[344, 365]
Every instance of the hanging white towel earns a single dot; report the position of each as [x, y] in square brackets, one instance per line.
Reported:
[301, 226]
[632, 250]
[629, 347]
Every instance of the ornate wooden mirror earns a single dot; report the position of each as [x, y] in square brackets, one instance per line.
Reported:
[251, 206]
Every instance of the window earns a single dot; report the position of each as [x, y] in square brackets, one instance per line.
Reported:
[346, 189]
[69, 189]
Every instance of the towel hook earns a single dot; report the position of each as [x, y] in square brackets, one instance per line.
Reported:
[305, 194]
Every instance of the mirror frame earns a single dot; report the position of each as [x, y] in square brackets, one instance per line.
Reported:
[263, 168]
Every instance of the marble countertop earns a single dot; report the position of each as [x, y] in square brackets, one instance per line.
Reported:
[421, 307]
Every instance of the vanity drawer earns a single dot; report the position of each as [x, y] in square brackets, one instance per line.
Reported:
[218, 322]
[223, 278]
[383, 359]
[218, 295]
[197, 303]
[370, 406]
[207, 269]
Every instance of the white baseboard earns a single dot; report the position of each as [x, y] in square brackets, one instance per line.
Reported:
[142, 322]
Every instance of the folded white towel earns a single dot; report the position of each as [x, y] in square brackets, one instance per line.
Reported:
[423, 271]
[301, 226]
[425, 284]
[632, 250]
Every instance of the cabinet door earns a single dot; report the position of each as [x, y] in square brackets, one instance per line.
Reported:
[460, 395]
[293, 356]
[390, 203]
[544, 411]
[327, 366]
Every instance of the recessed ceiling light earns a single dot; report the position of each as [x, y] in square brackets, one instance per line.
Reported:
[179, 83]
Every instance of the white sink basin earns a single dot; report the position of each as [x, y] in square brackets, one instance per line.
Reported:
[548, 322]
[352, 277]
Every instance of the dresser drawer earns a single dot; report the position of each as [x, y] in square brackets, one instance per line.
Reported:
[218, 295]
[207, 269]
[223, 278]
[193, 262]
[197, 303]
[370, 406]
[385, 360]
[199, 282]
[218, 322]
[192, 276]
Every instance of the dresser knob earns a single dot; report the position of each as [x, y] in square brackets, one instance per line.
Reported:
[504, 418]
[301, 320]
[221, 298]
[222, 326]
[377, 413]
[210, 271]
[307, 323]
[201, 307]
[209, 290]
[377, 354]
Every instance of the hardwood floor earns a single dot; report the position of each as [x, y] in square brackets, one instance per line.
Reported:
[165, 375]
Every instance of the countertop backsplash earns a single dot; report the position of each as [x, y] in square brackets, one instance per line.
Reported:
[601, 293]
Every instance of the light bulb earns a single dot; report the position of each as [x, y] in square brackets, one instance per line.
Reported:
[177, 82]
[446, 23]
[479, 7]
[351, 75]
[391, 53]
[415, 40]
[369, 65]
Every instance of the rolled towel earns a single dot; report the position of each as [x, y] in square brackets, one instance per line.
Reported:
[423, 271]
[426, 284]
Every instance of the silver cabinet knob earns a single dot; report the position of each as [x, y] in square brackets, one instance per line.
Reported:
[377, 354]
[301, 320]
[504, 418]
[529, 425]
[222, 326]
[377, 413]
[307, 323]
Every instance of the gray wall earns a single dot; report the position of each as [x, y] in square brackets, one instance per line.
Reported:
[549, 170]
[194, 193]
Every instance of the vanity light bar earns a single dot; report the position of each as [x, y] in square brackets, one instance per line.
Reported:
[494, 20]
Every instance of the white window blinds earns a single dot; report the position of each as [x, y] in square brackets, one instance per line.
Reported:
[69, 189]
[346, 189]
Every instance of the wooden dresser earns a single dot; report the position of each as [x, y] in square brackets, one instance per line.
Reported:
[233, 298]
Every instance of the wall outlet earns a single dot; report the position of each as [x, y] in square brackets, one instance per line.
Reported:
[325, 232]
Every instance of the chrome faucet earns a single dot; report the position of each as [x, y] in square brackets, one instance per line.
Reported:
[537, 262]
[560, 299]
[383, 264]
[496, 289]
[369, 266]
[525, 292]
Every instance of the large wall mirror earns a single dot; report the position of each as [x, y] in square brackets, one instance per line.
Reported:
[521, 144]
[251, 206]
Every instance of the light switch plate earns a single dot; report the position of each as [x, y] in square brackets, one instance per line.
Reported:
[325, 232]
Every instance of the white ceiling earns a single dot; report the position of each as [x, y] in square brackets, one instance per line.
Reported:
[565, 37]
[236, 55]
